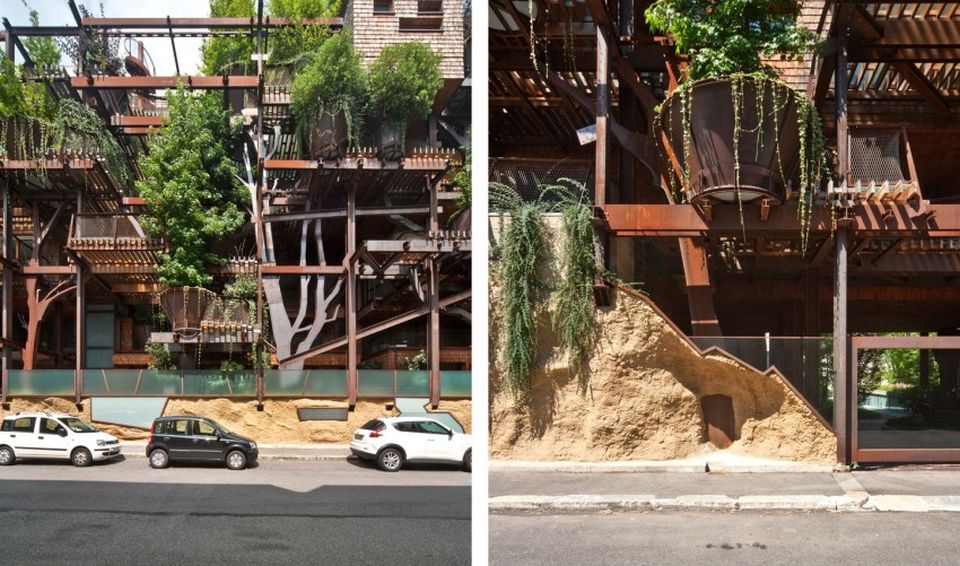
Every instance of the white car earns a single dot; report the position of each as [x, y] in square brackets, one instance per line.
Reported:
[54, 436]
[393, 441]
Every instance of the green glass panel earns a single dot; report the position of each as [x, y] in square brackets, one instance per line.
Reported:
[243, 383]
[375, 383]
[283, 382]
[41, 382]
[413, 383]
[327, 382]
[93, 382]
[137, 412]
[455, 383]
[121, 381]
[214, 383]
[160, 383]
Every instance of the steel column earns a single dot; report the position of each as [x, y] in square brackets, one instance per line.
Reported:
[7, 289]
[351, 296]
[603, 104]
[433, 323]
[843, 395]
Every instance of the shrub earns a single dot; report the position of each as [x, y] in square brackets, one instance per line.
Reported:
[404, 80]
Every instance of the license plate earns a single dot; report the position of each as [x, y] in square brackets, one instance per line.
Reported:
[358, 436]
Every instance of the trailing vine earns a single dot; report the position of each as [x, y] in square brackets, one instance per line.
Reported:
[78, 128]
[521, 254]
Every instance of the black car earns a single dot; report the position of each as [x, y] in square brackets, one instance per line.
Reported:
[196, 439]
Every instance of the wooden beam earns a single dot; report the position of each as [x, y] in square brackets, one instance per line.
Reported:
[922, 86]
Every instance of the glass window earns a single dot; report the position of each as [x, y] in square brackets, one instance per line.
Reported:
[382, 6]
[23, 424]
[375, 424]
[431, 427]
[76, 425]
[205, 429]
[7, 425]
[406, 427]
[50, 426]
[177, 427]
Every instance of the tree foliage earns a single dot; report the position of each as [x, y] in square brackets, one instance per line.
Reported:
[218, 54]
[723, 37]
[404, 80]
[295, 45]
[96, 50]
[333, 83]
[193, 198]
[43, 51]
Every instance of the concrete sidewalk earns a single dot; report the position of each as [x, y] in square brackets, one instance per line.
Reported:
[525, 489]
[307, 452]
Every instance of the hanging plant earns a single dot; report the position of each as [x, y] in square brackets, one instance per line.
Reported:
[77, 128]
[732, 100]
[573, 313]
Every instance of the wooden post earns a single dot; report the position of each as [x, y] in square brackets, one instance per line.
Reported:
[603, 104]
[351, 296]
[844, 397]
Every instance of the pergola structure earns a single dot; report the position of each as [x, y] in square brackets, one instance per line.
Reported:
[884, 244]
[343, 250]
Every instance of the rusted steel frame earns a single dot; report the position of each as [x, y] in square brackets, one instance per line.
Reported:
[202, 23]
[141, 121]
[602, 109]
[190, 82]
[6, 292]
[922, 86]
[378, 327]
[844, 395]
[258, 209]
[342, 212]
[703, 314]
[302, 270]
[939, 220]
[436, 165]
[30, 164]
[906, 342]
[350, 299]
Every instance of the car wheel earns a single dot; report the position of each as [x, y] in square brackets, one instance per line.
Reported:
[468, 461]
[6, 456]
[390, 459]
[159, 459]
[236, 460]
[81, 457]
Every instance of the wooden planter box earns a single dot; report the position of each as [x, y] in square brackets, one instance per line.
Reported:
[712, 166]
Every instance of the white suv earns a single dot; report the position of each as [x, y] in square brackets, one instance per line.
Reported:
[395, 440]
[51, 435]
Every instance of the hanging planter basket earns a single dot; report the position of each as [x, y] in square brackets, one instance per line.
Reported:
[736, 139]
[185, 307]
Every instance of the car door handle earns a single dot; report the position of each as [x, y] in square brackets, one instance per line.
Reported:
[13, 436]
[40, 437]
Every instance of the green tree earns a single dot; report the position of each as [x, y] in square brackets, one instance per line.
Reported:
[333, 83]
[404, 81]
[43, 50]
[723, 37]
[219, 53]
[193, 198]
[296, 45]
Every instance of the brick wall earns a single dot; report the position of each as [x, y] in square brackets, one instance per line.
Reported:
[372, 32]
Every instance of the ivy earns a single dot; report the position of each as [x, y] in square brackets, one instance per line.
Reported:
[192, 196]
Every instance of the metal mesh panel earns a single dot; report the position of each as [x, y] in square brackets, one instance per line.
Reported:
[528, 174]
[875, 156]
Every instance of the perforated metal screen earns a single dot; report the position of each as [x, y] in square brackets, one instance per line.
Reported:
[875, 156]
[528, 174]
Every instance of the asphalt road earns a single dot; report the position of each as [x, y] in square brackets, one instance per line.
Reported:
[741, 538]
[277, 513]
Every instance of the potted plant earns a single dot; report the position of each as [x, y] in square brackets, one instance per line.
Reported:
[327, 96]
[404, 80]
[736, 132]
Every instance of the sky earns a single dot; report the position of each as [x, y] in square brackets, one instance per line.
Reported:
[57, 13]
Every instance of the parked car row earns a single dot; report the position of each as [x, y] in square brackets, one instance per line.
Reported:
[390, 442]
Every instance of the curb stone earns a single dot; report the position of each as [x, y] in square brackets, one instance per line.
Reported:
[596, 503]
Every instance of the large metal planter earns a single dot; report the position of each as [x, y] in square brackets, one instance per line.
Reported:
[710, 162]
[185, 307]
[327, 137]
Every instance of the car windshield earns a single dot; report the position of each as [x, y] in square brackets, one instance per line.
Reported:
[76, 425]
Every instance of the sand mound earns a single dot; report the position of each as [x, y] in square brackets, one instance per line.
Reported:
[640, 398]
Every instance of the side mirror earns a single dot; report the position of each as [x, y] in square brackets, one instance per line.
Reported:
[450, 433]
[62, 432]
[219, 436]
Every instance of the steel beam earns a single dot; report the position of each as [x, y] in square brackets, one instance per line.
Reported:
[843, 395]
[154, 83]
